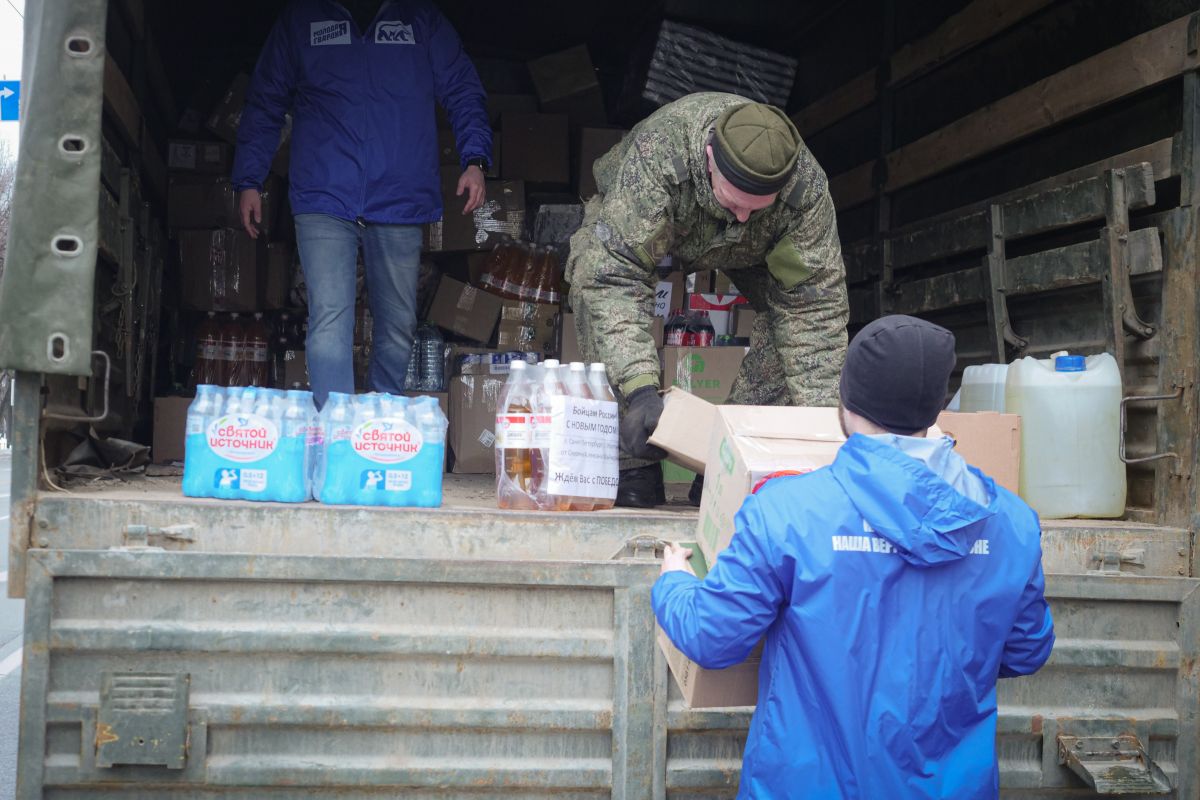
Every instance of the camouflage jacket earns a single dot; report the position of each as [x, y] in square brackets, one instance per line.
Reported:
[655, 198]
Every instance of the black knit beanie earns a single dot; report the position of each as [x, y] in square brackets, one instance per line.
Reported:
[897, 371]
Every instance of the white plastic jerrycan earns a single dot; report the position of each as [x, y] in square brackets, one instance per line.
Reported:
[983, 388]
[1070, 410]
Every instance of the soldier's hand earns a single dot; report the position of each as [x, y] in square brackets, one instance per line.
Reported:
[645, 406]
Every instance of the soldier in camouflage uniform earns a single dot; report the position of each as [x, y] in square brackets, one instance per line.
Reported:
[722, 183]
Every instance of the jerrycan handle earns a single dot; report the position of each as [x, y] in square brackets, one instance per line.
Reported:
[1153, 398]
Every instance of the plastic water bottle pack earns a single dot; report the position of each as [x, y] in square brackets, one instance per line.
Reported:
[250, 444]
[381, 450]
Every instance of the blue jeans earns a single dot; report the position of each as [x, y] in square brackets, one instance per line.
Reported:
[328, 255]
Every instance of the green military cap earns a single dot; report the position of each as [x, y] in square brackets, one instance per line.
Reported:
[755, 147]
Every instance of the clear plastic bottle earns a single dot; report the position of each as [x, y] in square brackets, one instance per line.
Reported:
[208, 364]
[514, 441]
[412, 376]
[601, 390]
[232, 343]
[331, 485]
[197, 472]
[432, 360]
[256, 352]
[549, 385]
[577, 386]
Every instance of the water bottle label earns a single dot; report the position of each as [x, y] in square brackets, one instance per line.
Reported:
[389, 440]
[257, 353]
[230, 353]
[253, 480]
[514, 431]
[210, 352]
[341, 433]
[243, 437]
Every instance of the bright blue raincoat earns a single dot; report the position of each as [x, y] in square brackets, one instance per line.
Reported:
[890, 603]
[364, 137]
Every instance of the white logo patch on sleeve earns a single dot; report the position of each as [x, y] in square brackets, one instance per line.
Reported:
[394, 33]
[330, 31]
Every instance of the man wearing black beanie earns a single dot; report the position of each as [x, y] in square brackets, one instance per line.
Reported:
[890, 590]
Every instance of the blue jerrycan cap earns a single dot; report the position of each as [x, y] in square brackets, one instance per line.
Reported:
[1070, 364]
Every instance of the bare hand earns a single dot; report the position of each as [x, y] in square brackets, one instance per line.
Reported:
[473, 184]
[250, 208]
[675, 559]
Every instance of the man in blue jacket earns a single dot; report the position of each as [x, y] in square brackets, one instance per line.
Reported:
[361, 78]
[893, 588]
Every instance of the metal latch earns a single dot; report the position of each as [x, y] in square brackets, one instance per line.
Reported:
[644, 547]
[1112, 765]
[1108, 562]
[139, 536]
[143, 719]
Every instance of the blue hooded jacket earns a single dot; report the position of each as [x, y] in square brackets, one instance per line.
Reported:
[364, 136]
[891, 603]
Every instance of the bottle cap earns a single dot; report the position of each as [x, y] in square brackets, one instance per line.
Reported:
[1070, 364]
[517, 364]
[550, 362]
[577, 366]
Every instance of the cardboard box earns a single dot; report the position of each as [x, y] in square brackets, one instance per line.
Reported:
[706, 372]
[529, 327]
[593, 143]
[473, 400]
[987, 440]
[170, 425]
[743, 321]
[556, 223]
[704, 688]
[566, 83]
[190, 155]
[569, 349]
[449, 159]
[683, 414]
[196, 200]
[227, 116]
[277, 276]
[749, 444]
[498, 103]
[535, 148]
[218, 270]
[295, 370]
[669, 295]
[465, 310]
[718, 307]
[502, 214]
[722, 284]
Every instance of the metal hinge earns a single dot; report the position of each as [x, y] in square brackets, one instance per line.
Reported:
[138, 537]
[1112, 764]
[1108, 562]
[143, 719]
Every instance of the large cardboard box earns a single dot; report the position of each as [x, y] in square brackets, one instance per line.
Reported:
[683, 415]
[218, 270]
[742, 323]
[987, 440]
[465, 310]
[191, 155]
[704, 688]
[593, 143]
[502, 214]
[170, 424]
[473, 400]
[706, 372]
[498, 103]
[566, 83]
[531, 327]
[569, 350]
[535, 148]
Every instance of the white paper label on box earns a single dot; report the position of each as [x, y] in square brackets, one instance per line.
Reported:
[182, 156]
[466, 300]
[662, 299]
[487, 438]
[583, 448]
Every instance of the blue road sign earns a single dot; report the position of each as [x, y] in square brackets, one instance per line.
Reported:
[10, 96]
